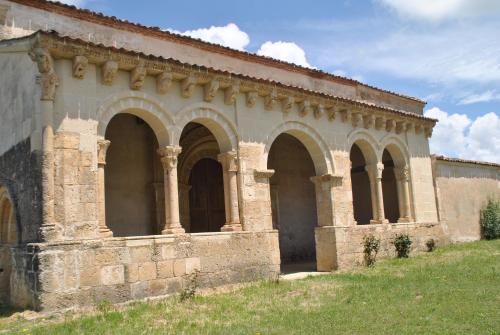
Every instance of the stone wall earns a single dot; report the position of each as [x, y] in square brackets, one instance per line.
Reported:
[463, 189]
[82, 273]
[347, 242]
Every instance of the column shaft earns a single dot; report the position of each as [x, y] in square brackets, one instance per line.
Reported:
[402, 175]
[229, 163]
[102, 147]
[169, 161]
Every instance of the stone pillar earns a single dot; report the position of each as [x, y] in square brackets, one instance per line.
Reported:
[169, 156]
[229, 163]
[324, 198]
[264, 209]
[102, 148]
[402, 178]
[375, 175]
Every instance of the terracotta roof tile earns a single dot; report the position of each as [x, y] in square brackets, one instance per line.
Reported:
[459, 160]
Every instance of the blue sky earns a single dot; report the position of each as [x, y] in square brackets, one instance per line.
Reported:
[446, 52]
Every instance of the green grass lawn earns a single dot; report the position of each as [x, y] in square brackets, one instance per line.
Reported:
[454, 290]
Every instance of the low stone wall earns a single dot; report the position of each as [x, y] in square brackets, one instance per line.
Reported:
[82, 273]
[347, 242]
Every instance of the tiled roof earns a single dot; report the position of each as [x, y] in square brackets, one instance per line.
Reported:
[112, 21]
[458, 160]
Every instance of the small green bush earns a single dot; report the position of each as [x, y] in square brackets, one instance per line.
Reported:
[490, 220]
[371, 246]
[402, 243]
[431, 245]
[189, 291]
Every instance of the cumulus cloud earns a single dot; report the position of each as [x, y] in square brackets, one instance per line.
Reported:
[456, 135]
[77, 3]
[438, 10]
[285, 51]
[487, 96]
[229, 35]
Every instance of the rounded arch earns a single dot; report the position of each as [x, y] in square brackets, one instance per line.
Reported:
[200, 151]
[314, 143]
[8, 223]
[366, 143]
[397, 148]
[141, 105]
[205, 114]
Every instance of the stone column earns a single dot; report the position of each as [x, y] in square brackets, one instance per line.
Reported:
[184, 208]
[229, 163]
[102, 148]
[375, 175]
[402, 178]
[263, 210]
[169, 156]
[159, 189]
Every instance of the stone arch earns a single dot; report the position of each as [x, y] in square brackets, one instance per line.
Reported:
[9, 232]
[199, 152]
[139, 104]
[314, 143]
[367, 143]
[397, 148]
[207, 115]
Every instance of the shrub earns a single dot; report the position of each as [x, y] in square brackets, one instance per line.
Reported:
[189, 291]
[371, 246]
[490, 220]
[402, 243]
[431, 245]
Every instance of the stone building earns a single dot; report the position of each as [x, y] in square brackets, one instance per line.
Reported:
[131, 157]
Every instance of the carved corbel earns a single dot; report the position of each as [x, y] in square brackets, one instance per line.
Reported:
[368, 121]
[400, 127]
[164, 81]
[250, 98]
[80, 64]
[356, 119]
[270, 100]
[211, 89]
[137, 76]
[109, 71]
[231, 92]
[304, 107]
[380, 122]
[187, 86]
[287, 104]
[428, 131]
[418, 128]
[390, 125]
[409, 126]
[345, 115]
[330, 113]
[48, 79]
[319, 110]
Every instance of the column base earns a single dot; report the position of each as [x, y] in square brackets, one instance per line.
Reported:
[379, 221]
[232, 227]
[51, 232]
[105, 232]
[404, 220]
[174, 231]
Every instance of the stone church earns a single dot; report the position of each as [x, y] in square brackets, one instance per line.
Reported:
[131, 157]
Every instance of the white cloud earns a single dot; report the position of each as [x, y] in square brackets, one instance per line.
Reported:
[229, 35]
[489, 95]
[285, 51]
[456, 135]
[438, 10]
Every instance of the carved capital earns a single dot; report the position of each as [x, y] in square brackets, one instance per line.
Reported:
[402, 173]
[102, 149]
[229, 161]
[109, 71]
[319, 110]
[263, 174]
[48, 79]
[43, 60]
[80, 64]
[187, 86]
[169, 155]
[137, 76]
[375, 170]
[251, 98]
[164, 81]
[231, 92]
[210, 90]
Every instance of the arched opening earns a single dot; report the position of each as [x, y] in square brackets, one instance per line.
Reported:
[390, 188]
[361, 190]
[8, 238]
[293, 202]
[201, 186]
[133, 178]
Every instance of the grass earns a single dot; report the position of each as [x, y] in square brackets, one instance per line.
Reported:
[454, 290]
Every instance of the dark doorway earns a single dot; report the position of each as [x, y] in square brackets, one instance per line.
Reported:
[360, 182]
[206, 197]
[390, 189]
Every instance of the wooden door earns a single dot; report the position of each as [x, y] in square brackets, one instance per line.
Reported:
[206, 197]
